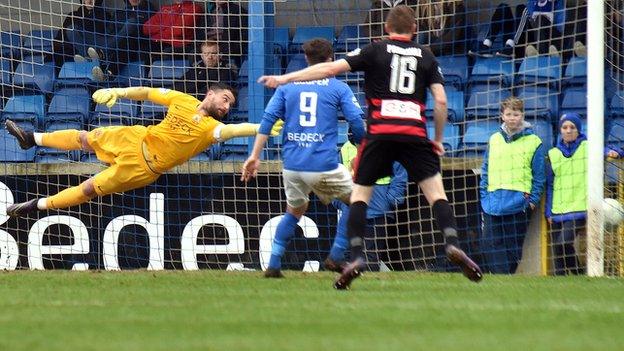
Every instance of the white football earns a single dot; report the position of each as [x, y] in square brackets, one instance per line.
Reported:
[613, 211]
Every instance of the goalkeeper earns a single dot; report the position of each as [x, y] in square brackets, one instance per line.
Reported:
[138, 155]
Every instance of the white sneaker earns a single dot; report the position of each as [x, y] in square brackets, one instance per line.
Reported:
[93, 54]
[530, 50]
[98, 74]
[79, 58]
[580, 50]
[552, 51]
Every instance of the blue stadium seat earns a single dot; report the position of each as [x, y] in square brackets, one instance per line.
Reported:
[616, 107]
[203, 156]
[273, 66]
[38, 42]
[6, 76]
[151, 113]
[451, 136]
[485, 104]
[575, 100]
[122, 113]
[350, 38]
[540, 102]
[164, 73]
[9, 148]
[576, 72]
[544, 130]
[75, 74]
[495, 69]
[540, 70]
[281, 39]
[9, 44]
[455, 105]
[25, 108]
[616, 134]
[34, 76]
[70, 105]
[476, 137]
[131, 75]
[235, 149]
[303, 34]
[89, 157]
[296, 63]
[455, 70]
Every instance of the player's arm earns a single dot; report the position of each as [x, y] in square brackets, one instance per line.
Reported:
[225, 132]
[440, 113]
[267, 127]
[314, 72]
[158, 95]
[353, 114]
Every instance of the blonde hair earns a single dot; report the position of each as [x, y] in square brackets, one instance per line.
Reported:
[428, 15]
[512, 103]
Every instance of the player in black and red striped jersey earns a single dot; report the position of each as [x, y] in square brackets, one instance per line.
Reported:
[397, 73]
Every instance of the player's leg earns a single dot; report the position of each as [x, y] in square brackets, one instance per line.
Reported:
[69, 197]
[297, 200]
[70, 139]
[433, 189]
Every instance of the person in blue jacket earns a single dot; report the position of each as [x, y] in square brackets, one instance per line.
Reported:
[566, 192]
[388, 194]
[512, 182]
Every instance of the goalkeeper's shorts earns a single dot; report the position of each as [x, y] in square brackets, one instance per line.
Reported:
[120, 147]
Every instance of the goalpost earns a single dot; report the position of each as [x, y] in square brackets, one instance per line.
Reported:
[200, 216]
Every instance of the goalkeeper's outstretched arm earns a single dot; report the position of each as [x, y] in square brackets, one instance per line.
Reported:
[109, 96]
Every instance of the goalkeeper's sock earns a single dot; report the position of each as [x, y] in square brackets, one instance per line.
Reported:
[443, 213]
[356, 225]
[68, 139]
[67, 198]
[285, 230]
[341, 242]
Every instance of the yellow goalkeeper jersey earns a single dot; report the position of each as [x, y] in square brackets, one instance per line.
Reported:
[182, 134]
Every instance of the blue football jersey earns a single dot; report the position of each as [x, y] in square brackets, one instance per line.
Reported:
[310, 114]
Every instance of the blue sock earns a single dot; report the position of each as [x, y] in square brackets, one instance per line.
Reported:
[341, 243]
[285, 230]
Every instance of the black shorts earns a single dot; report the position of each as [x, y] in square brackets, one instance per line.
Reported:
[376, 157]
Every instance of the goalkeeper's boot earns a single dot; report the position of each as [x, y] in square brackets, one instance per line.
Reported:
[23, 208]
[273, 273]
[331, 265]
[25, 138]
[458, 257]
[349, 273]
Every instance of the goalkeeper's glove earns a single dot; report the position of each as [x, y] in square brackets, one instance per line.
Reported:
[277, 128]
[109, 96]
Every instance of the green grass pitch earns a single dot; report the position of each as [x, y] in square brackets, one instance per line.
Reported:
[216, 310]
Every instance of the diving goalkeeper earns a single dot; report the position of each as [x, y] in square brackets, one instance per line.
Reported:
[138, 155]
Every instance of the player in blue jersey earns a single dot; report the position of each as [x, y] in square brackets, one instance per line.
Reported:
[309, 146]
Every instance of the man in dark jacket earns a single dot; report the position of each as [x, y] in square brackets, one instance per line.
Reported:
[209, 70]
[87, 26]
[130, 44]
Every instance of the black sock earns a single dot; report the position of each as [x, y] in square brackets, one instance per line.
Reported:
[355, 228]
[443, 213]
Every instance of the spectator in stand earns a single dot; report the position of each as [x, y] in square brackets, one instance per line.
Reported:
[374, 27]
[88, 26]
[173, 27]
[512, 181]
[541, 23]
[227, 22]
[388, 194]
[566, 192]
[211, 69]
[442, 26]
[130, 44]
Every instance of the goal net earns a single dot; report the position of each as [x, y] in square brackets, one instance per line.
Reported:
[199, 215]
